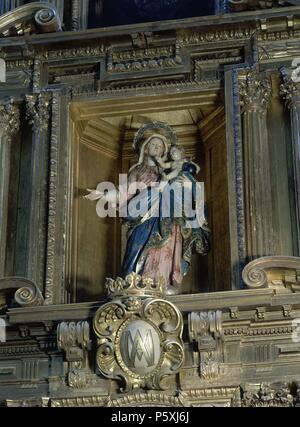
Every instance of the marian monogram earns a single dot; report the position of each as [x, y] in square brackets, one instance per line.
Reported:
[139, 341]
[140, 346]
[137, 347]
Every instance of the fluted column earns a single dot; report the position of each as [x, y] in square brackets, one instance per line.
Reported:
[255, 94]
[290, 90]
[9, 124]
[38, 117]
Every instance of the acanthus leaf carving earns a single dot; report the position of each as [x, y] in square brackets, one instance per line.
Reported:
[290, 88]
[9, 117]
[255, 92]
[267, 395]
[38, 110]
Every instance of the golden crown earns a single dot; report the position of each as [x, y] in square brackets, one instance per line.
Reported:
[135, 285]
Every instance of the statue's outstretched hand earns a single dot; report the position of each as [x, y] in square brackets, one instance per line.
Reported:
[94, 195]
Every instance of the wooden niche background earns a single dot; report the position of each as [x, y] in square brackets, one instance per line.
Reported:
[103, 132]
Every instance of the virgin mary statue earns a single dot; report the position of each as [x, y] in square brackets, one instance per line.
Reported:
[158, 246]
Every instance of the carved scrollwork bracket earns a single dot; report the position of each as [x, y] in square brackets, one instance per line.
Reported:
[74, 339]
[206, 333]
[40, 17]
[26, 293]
[281, 273]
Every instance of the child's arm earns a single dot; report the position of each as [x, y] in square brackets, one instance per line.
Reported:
[171, 175]
[162, 164]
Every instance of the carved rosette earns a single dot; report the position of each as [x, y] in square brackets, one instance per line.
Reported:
[37, 110]
[139, 341]
[255, 92]
[9, 117]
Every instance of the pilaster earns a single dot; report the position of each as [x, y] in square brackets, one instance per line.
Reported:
[255, 94]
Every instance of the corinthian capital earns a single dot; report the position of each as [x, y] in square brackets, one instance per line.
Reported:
[290, 89]
[37, 110]
[9, 117]
[255, 92]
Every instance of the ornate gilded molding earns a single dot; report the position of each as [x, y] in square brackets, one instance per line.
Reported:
[251, 332]
[139, 337]
[26, 403]
[189, 38]
[53, 174]
[79, 401]
[234, 134]
[212, 397]
[206, 331]
[135, 399]
[36, 75]
[157, 86]
[249, 395]
[278, 35]
[26, 293]
[217, 396]
[98, 51]
[281, 273]
[33, 17]
[146, 399]
[38, 110]
[143, 59]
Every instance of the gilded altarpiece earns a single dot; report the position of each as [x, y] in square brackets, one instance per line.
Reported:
[70, 107]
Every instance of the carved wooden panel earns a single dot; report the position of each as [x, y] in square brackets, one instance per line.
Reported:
[214, 138]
